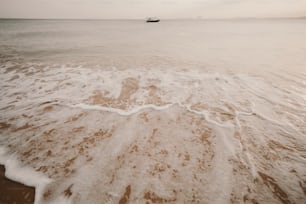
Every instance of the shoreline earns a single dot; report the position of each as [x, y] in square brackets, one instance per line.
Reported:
[14, 192]
[87, 136]
[18, 181]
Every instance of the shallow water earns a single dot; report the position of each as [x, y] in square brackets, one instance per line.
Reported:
[179, 111]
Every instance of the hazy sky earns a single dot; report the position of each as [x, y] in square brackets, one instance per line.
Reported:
[144, 8]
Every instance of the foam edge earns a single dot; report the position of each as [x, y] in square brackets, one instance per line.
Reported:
[22, 174]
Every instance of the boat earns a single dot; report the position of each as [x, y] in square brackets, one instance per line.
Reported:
[152, 20]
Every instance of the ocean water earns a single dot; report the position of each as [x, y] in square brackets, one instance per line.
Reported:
[102, 111]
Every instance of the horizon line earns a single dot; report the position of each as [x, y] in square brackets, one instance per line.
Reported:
[195, 18]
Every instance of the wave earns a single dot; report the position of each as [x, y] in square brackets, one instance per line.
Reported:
[153, 135]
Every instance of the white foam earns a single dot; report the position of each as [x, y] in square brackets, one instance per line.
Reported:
[25, 175]
[120, 111]
[251, 106]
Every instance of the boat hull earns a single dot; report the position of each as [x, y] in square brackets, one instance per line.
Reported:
[152, 21]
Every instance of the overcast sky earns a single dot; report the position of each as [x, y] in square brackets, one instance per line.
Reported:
[143, 8]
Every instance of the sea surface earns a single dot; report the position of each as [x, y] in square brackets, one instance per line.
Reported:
[180, 111]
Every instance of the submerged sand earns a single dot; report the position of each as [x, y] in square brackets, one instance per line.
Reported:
[156, 136]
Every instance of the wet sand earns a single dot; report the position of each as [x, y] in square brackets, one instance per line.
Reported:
[157, 136]
[14, 192]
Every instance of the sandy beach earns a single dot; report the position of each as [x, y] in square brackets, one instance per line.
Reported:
[137, 142]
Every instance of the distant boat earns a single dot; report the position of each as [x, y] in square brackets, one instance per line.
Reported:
[153, 20]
